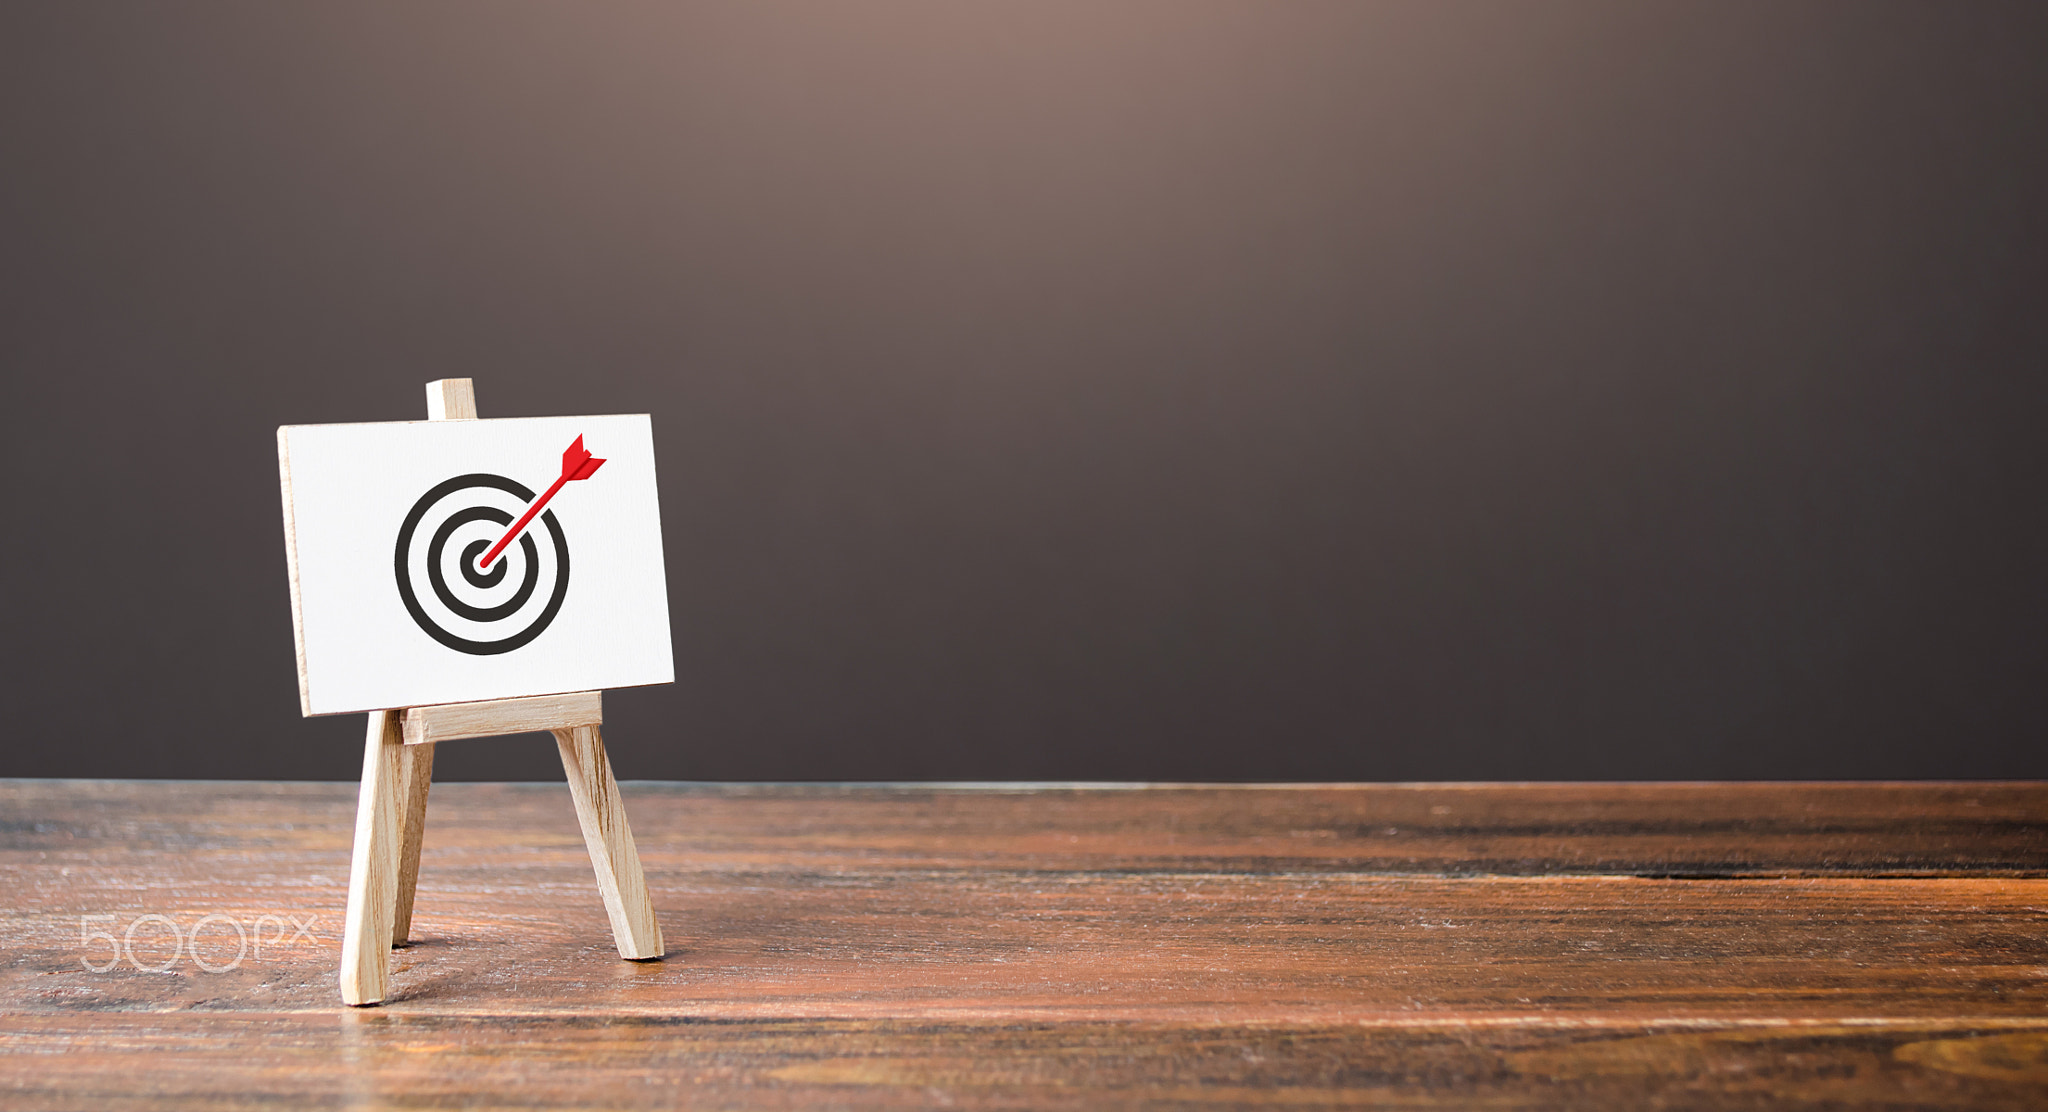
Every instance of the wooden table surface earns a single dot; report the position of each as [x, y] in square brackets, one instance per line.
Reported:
[1045, 946]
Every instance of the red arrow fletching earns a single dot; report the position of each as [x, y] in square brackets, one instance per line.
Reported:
[577, 463]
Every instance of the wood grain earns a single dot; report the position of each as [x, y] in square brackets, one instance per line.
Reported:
[451, 399]
[1988, 829]
[500, 717]
[609, 838]
[291, 567]
[415, 780]
[373, 868]
[1535, 946]
[381, 1059]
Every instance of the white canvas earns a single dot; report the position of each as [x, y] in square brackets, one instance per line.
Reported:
[349, 493]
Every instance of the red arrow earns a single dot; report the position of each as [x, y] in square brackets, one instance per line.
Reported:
[576, 464]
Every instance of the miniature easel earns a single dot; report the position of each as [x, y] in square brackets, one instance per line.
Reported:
[398, 767]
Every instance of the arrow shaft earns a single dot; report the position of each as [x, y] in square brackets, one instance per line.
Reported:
[519, 526]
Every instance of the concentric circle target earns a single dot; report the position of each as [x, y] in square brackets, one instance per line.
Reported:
[466, 607]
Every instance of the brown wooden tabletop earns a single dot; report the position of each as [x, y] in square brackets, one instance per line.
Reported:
[1044, 946]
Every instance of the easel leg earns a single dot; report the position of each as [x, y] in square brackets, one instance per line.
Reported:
[416, 771]
[373, 874]
[610, 840]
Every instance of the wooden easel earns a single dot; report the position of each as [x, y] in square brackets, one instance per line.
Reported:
[391, 812]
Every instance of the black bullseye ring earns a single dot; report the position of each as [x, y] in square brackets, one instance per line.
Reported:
[474, 552]
[472, 575]
[480, 613]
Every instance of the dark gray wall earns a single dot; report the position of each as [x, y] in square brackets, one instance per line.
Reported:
[1107, 389]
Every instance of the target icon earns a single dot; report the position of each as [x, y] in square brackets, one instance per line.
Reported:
[471, 594]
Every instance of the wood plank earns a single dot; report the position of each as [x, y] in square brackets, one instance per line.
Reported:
[835, 935]
[373, 871]
[1922, 829]
[505, 940]
[451, 399]
[291, 567]
[919, 946]
[609, 838]
[196, 1060]
[416, 778]
[499, 717]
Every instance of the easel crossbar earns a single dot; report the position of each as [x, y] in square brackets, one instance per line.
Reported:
[451, 721]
